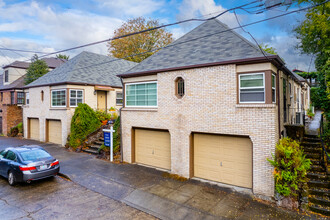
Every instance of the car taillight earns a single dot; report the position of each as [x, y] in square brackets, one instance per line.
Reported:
[54, 163]
[27, 168]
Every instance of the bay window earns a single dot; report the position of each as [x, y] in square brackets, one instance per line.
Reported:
[252, 88]
[141, 94]
[58, 98]
[274, 88]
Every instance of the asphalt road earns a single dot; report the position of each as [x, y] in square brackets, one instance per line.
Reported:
[58, 198]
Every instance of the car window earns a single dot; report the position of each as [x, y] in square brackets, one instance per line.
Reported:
[33, 155]
[2, 154]
[10, 155]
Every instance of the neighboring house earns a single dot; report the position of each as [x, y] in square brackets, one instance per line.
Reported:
[12, 96]
[209, 106]
[313, 82]
[87, 78]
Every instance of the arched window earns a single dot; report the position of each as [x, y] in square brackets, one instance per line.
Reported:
[42, 95]
[179, 87]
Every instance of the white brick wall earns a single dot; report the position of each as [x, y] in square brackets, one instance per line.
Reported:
[209, 105]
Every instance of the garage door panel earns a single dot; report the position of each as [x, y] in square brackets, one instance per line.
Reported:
[34, 128]
[54, 131]
[153, 148]
[225, 159]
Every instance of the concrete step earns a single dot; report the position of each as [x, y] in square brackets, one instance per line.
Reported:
[311, 136]
[317, 176]
[313, 156]
[315, 161]
[319, 201]
[98, 142]
[317, 168]
[94, 147]
[319, 209]
[311, 144]
[101, 139]
[314, 140]
[313, 150]
[318, 184]
[91, 151]
[321, 192]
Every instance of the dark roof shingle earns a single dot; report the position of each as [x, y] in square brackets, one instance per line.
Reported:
[52, 62]
[17, 84]
[87, 68]
[210, 42]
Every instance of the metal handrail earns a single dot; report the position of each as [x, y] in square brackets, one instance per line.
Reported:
[324, 150]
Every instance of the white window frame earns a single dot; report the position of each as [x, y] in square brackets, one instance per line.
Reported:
[274, 87]
[258, 87]
[51, 98]
[27, 98]
[76, 96]
[122, 98]
[140, 106]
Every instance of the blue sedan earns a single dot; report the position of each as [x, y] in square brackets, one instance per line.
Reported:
[27, 163]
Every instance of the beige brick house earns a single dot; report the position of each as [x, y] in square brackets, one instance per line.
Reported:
[87, 78]
[209, 106]
[12, 96]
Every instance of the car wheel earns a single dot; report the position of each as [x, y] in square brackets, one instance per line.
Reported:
[11, 178]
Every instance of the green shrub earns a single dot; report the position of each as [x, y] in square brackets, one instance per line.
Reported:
[310, 113]
[84, 122]
[116, 135]
[102, 115]
[290, 167]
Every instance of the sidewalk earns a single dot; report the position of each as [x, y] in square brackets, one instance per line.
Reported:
[315, 123]
[147, 190]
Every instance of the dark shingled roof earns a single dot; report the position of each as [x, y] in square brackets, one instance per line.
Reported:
[87, 68]
[210, 42]
[17, 84]
[51, 62]
[301, 79]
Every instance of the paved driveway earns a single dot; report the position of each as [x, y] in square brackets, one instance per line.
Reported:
[149, 191]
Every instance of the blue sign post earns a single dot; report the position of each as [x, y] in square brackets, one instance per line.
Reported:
[108, 140]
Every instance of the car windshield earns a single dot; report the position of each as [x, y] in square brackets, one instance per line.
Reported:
[35, 154]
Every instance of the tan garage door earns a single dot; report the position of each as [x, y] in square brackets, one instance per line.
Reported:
[153, 148]
[34, 129]
[54, 131]
[224, 159]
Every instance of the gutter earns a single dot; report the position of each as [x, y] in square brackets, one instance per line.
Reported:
[278, 102]
[121, 131]
[65, 83]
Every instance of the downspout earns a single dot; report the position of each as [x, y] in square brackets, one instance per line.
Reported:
[278, 102]
[121, 131]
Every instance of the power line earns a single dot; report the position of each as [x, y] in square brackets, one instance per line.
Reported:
[205, 36]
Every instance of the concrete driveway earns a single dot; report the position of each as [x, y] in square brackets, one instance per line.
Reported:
[149, 191]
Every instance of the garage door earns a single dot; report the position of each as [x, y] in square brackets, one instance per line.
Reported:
[153, 148]
[224, 159]
[34, 128]
[54, 131]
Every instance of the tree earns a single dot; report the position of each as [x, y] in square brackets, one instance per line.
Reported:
[268, 49]
[138, 43]
[62, 56]
[36, 69]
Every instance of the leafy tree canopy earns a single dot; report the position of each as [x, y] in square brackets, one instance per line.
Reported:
[138, 43]
[36, 69]
[268, 49]
[62, 56]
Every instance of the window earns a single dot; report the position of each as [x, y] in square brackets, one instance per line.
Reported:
[252, 88]
[6, 76]
[42, 95]
[290, 91]
[1, 96]
[59, 98]
[119, 98]
[179, 87]
[10, 155]
[27, 98]
[12, 98]
[141, 94]
[20, 98]
[76, 97]
[274, 88]
[3, 154]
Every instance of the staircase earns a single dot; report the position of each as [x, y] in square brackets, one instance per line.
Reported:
[94, 147]
[319, 180]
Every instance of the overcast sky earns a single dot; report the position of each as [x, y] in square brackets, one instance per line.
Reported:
[49, 26]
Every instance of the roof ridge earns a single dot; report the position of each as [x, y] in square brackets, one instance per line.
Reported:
[240, 36]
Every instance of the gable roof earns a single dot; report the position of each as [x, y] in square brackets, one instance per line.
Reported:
[86, 68]
[17, 84]
[210, 42]
[52, 62]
